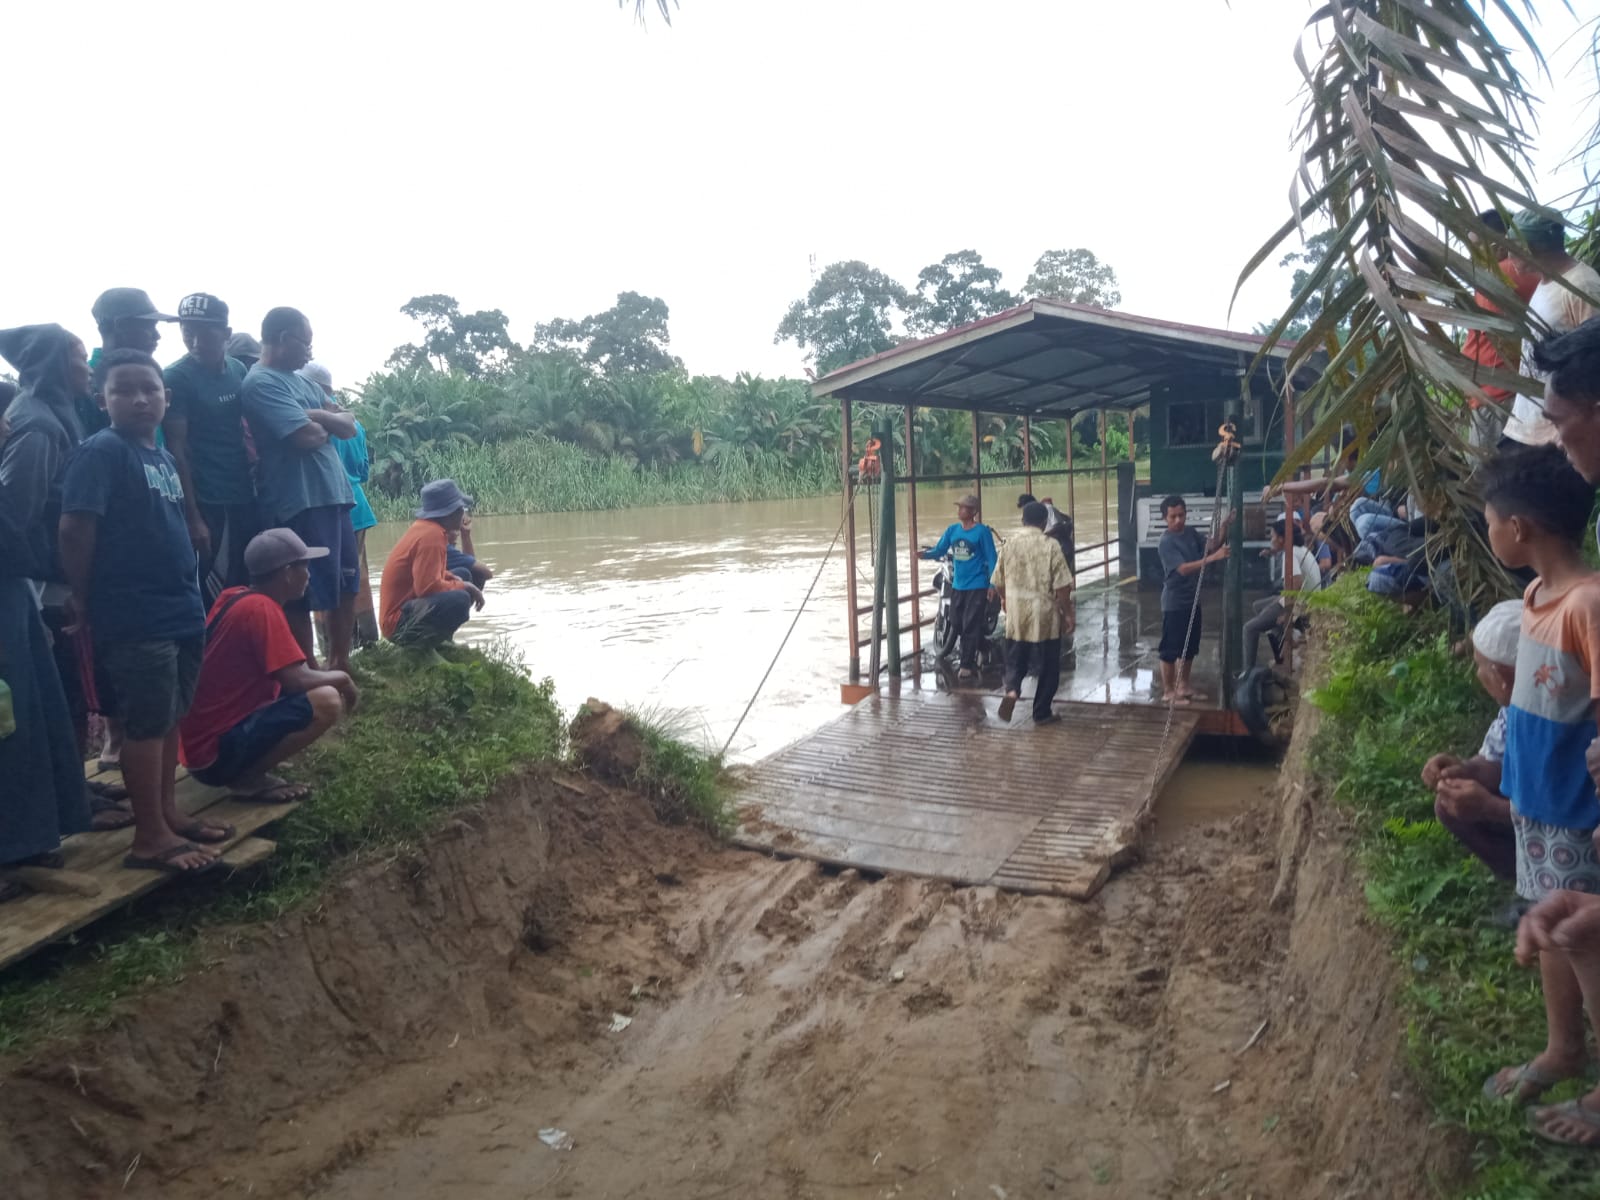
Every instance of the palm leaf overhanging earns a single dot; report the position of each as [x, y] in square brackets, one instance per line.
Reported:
[1415, 119]
[641, 8]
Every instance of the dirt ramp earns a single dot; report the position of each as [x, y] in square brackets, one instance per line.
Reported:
[399, 960]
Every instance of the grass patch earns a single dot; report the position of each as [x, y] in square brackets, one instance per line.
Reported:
[683, 782]
[427, 740]
[1394, 695]
[539, 475]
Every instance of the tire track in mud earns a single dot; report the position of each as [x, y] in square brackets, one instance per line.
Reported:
[823, 1033]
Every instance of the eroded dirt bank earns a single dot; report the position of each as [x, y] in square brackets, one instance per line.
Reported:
[795, 1032]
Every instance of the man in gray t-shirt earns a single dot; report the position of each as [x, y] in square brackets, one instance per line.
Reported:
[1184, 554]
[302, 485]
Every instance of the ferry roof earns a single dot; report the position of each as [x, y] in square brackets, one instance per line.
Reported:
[1045, 358]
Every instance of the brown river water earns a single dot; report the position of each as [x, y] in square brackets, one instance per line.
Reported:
[679, 611]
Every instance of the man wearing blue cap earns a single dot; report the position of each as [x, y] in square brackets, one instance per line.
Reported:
[420, 603]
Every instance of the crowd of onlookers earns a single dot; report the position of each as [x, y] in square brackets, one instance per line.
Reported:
[1526, 803]
[171, 543]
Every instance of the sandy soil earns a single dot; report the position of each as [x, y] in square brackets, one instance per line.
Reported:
[793, 1032]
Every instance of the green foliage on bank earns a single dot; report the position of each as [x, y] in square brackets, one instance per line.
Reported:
[1394, 695]
[539, 475]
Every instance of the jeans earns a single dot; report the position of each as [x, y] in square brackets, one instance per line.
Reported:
[1041, 658]
[967, 611]
[1269, 613]
[430, 621]
[1371, 517]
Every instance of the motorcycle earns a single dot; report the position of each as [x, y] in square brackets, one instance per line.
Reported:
[991, 649]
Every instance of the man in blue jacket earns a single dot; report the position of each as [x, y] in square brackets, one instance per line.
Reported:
[971, 545]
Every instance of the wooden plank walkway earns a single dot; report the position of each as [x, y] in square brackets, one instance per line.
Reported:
[934, 783]
[94, 860]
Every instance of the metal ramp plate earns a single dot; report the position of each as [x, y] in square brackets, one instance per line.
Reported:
[935, 784]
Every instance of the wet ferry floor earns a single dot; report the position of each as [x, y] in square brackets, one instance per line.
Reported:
[1115, 648]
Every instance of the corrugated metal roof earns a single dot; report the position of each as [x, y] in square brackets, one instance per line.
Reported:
[1044, 358]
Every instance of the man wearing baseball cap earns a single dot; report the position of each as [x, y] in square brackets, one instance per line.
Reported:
[126, 319]
[205, 434]
[971, 545]
[258, 702]
[419, 602]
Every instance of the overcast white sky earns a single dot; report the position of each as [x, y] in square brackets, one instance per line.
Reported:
[541, 157]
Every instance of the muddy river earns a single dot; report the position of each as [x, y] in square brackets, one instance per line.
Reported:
[680, 609]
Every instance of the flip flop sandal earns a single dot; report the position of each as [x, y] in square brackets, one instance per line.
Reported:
[1499, 1086]
[10, 890]
[1571, 1110]
[112, 816]
[110, 793]
[106, 764]
[51, 860]
[206, 832]
[1007, 707]
[163, 861]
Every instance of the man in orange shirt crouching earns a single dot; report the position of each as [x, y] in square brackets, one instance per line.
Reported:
[420, 603]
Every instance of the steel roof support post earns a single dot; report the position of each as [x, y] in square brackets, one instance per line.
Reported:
[977, 460]
[1233, 573]
[887, 576]
[851, 603]
[1105, 497]
[1027, 454]
[913, 563]
[1071, 489]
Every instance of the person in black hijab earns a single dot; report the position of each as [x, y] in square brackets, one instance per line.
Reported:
[40, 759]
[52, 366]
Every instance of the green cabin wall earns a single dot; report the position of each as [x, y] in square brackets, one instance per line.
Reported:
[1188, 468]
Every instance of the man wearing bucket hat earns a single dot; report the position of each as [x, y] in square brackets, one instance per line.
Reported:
[1553, 309]
[419, 602]
[258, 702]
[971, 546]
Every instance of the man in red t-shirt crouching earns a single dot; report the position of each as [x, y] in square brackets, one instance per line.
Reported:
[257, 702]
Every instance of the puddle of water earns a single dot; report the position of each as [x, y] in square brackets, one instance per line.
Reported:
[1217, 780]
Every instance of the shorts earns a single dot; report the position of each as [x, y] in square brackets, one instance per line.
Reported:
[249, 741]
[1552, 858]
[1178, 640]
[337, 575]
[150, 684]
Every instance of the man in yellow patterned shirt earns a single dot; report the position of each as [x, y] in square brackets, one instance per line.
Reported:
[1035, 586]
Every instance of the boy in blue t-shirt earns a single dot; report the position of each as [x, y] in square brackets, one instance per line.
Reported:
[127, 555]
[1537, 508]
[971, 547]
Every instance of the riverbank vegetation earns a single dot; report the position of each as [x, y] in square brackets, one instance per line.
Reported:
[1392, 694]
[596, 412]
[429, 739]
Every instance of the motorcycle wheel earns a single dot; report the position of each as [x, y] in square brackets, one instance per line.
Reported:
[944, 635]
